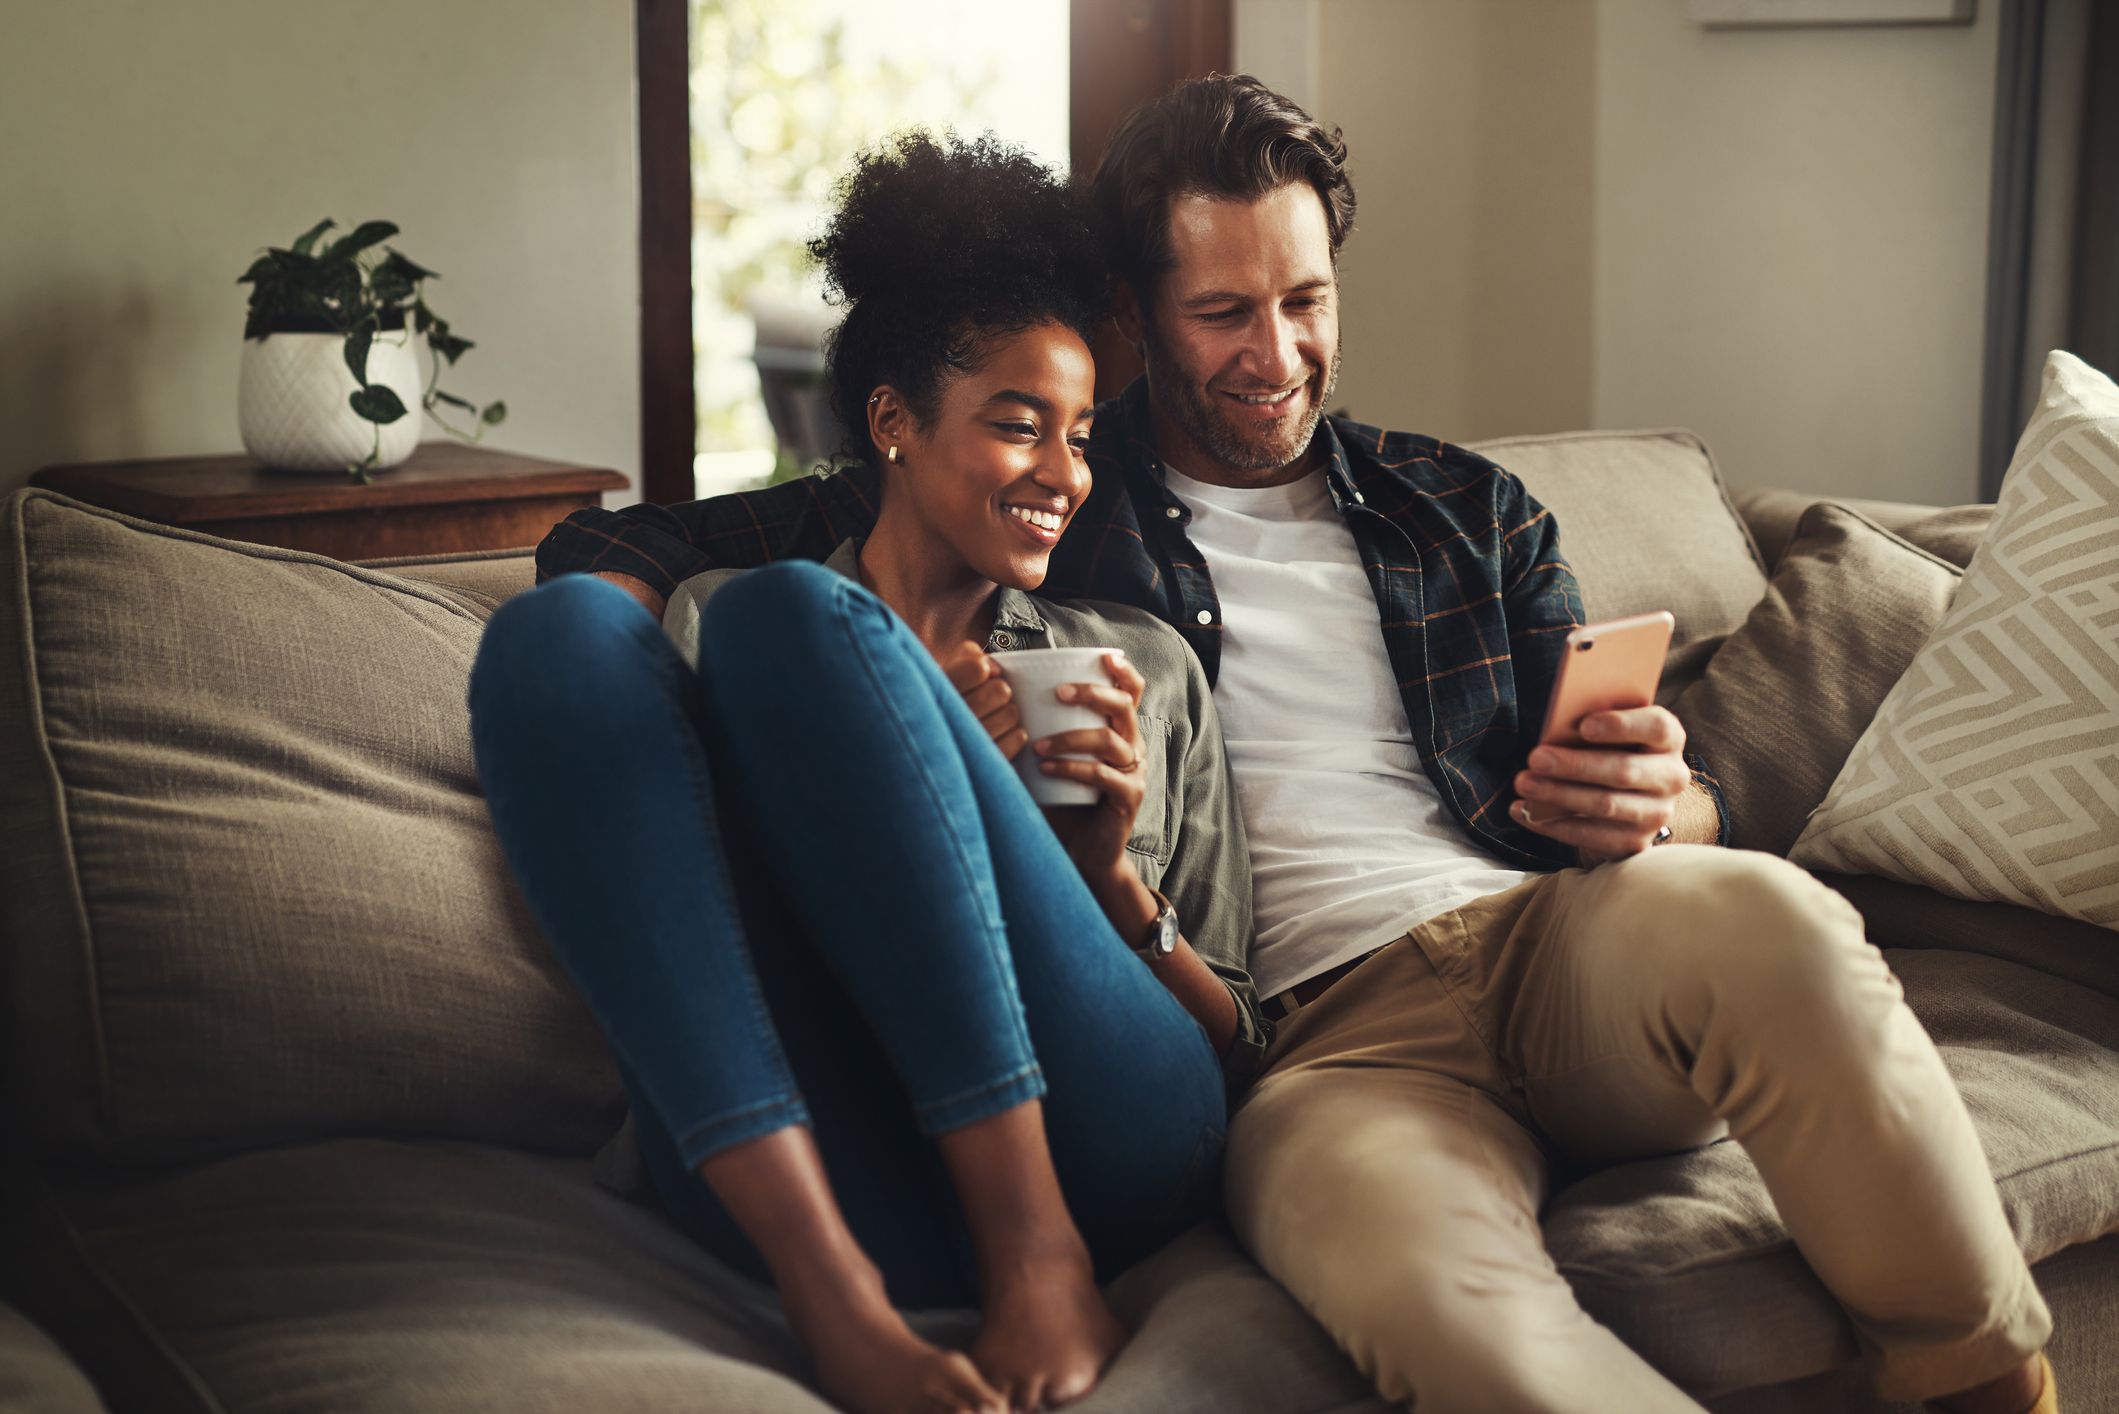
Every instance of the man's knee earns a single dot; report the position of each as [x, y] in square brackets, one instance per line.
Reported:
[1751, 925]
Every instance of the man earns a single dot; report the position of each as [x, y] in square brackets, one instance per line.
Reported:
[1458, 988]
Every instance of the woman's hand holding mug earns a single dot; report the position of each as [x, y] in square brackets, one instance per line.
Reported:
[973, 673]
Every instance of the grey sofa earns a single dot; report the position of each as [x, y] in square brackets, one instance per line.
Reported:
[300, 1115]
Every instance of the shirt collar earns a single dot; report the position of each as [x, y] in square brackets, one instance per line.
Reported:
[1012, 609]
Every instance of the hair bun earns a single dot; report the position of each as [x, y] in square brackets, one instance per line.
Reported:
[936, 245]
[919, 212]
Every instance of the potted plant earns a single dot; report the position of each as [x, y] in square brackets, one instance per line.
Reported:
[330, 375]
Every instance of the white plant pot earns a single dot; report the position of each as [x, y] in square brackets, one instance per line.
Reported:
[291, 404]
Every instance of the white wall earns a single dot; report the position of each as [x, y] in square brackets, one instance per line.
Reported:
[1595, 213]
[1791, 236]
[153, 148]
[1470, 129]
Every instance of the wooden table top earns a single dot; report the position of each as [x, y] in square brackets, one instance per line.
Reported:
[177, 490]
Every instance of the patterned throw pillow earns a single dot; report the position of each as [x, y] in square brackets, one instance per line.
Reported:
[1992, 768]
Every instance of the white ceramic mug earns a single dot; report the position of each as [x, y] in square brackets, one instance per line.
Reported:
[1034, 676]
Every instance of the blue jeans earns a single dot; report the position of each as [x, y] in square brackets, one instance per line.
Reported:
[800, 886]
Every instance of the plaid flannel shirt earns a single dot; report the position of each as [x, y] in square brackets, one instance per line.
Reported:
[1474, 595]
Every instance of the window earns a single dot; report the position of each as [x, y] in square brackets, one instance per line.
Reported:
[783, 94]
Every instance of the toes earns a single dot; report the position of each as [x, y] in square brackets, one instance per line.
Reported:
[1068, 1388]
[967, 1391]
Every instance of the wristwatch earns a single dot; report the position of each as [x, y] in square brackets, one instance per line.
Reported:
[1162, 932]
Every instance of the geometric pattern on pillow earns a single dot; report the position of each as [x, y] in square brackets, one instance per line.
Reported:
[1992, 768]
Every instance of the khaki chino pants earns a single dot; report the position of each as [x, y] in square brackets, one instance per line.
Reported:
[1389, 1168]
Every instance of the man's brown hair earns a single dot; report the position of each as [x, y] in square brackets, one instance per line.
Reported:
[1225, 136]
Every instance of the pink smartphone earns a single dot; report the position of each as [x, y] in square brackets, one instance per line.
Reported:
[1606, 667]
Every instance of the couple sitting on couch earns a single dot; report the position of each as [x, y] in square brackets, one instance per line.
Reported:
[823, 923]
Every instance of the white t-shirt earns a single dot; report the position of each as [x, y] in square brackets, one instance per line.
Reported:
[1350, 844]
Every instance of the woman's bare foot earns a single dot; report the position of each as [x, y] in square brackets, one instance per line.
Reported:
[869, 1361]
[866, 1358]
[1047, 1333]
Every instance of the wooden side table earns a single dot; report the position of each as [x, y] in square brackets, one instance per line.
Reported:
[447, 498]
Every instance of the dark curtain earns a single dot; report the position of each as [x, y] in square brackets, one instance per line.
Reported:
[2053, 233]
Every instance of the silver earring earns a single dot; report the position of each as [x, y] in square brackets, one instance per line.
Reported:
[891, 456]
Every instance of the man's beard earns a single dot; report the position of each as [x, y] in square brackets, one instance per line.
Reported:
[1196, 411]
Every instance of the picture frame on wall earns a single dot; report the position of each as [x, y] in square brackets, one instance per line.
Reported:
[1765, 14]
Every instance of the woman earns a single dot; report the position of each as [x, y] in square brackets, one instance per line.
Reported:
[882, 1022]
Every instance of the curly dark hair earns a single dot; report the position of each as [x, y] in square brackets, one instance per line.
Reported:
[936, 246]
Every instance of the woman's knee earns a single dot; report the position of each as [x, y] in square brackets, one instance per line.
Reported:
[575, 629]
[781, 630]
[785, 602]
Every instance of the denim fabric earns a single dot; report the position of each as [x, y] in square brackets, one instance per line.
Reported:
[1188, 840]
[885, 941]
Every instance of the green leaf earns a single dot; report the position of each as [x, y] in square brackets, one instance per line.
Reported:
[455, 402]
[422, 317]
[496, 412]
[366, 234]
[377, 403]
[259, 269]
[448, 345]
[388, 288]
[357, 353]
[396, 261]
[307, 242]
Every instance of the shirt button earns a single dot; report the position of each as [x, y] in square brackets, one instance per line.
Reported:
[1173, 512]
[1205, 616]
[1001, 641]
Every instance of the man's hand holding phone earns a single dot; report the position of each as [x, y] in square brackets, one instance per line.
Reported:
[1609, 771]
[1610, 797]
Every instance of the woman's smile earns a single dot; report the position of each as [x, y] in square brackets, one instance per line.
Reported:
[1042, 521]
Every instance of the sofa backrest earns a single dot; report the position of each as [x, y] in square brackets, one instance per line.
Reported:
[1646, 524]
[249, 892]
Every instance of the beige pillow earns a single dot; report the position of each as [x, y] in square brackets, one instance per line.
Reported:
[1791, 691]
[249, 889]
[1992, 769]
[1646, 524]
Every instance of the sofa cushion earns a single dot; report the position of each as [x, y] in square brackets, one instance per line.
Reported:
[1992, 769]
[1954, 534]
[247, 879]
[1646, 525]
[1670, 1252]
[36, 1376]
[366, 1275]
[1898, 915]
[1792, 690]
[481, 581]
